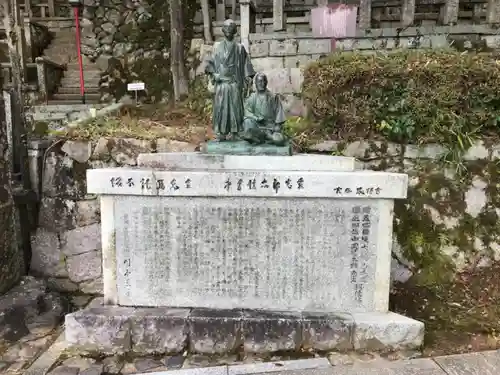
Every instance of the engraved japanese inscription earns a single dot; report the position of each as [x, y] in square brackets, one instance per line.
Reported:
[241, 253]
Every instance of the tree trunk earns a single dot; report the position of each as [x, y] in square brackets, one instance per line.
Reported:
[11, 257]
[179, 77]
[207, 22]
[233, 10]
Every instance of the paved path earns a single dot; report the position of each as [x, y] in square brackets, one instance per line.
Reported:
[486, 363]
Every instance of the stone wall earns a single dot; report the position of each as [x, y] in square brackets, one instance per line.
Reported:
[449, 222]
[282, 56]
[67, 244]
[130, 41]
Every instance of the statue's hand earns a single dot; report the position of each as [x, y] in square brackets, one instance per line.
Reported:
[216, 77]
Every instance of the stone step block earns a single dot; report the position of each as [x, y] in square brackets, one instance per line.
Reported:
[72, 101]
[118, 330]
[90, 96]
[50, 116]
[89, 85]
[76, 89]
[75, 75]
[61, 108]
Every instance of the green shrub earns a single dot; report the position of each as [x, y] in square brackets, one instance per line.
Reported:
[407, 96]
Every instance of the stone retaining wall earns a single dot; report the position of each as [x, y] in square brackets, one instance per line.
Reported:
[459, 212]
[67, 244]
[282, 56]
[450, 220]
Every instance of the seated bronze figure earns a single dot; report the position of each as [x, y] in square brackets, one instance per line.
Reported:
[264, 116]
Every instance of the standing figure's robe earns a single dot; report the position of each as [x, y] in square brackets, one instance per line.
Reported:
[229, 67]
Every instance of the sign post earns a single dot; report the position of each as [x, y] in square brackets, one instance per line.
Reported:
[135, 87]
[76, 4]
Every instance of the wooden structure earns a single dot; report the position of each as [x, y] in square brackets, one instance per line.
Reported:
[44, 9]
[449, 12]
[40, 74]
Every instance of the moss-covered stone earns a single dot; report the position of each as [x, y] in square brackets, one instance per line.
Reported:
[133, 42]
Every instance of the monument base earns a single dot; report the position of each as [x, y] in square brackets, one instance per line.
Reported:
[118, 330]
[245, 148]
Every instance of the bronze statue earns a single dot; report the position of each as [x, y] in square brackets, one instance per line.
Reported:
[230, 69]
[264, 115]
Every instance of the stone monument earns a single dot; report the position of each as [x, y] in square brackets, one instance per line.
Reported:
[215, 252]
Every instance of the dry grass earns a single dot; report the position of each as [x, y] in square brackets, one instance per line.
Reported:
[145, 122]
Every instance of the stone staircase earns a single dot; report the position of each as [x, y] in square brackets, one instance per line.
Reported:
[66, 104]
[62, 50]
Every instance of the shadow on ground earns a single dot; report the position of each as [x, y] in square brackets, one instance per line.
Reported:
[460, 316]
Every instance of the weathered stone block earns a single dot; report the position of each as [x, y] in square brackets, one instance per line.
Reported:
[439, 41]
[364, 44]
[279, 81]
[314, 46]
[78, 150]
[102, 149]
[287, 47]
[65, 370]
[92, 286]
[264, 64]
[296, 79]
[327, 331]
[170, 145]
[64, 177]
[345, 44]
[100, 329]
[259, 49]
[492, 41]
[477, 151]
[213, 331]
[267, 332]
[297, 61]
[81, 240]
[87, 212]
[62, 285]
[475, 197]
[159, 330]
[57, 214]
[86, 266]
[293, 105]
[429, 151]
[386, 331]
[47, 258]
[125, 150]
[96, 164]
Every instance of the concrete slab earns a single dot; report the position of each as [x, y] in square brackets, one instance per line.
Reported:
[411, 367]
[222, 370]
[267, 367]
[470, 364]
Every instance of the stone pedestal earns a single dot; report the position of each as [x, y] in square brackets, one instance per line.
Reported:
[245, 148]
[258, 248]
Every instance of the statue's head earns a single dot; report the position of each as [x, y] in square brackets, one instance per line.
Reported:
[229, 29]
[261, 82]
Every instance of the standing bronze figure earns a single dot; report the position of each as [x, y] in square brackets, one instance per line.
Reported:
[230, 70]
